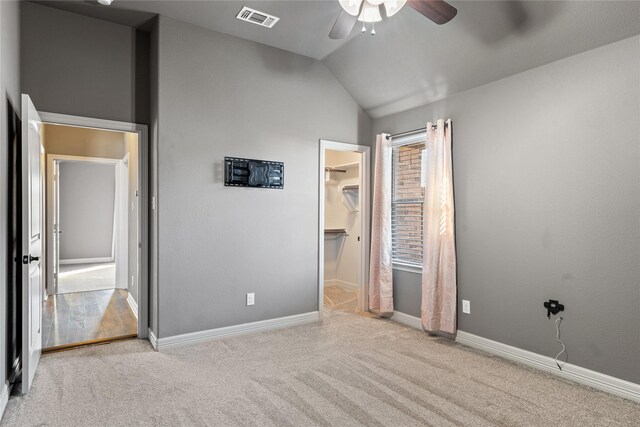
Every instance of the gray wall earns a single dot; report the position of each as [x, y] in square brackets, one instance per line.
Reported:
[10, 92]
[87, 195]
[223, 96]
[547, 193]
[73, 64]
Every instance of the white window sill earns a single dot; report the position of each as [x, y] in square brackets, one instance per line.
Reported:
[407, 267]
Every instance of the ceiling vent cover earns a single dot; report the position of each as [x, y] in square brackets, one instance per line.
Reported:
[257, 17]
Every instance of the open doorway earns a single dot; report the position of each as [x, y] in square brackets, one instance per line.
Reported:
[92, 221]
[344, 227]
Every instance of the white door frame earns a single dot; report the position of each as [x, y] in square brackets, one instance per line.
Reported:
[365, 210]
[116, 243]
[144, 193]
[121, 223]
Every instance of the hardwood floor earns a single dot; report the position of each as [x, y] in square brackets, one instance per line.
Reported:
[82, 317]
[86, 277]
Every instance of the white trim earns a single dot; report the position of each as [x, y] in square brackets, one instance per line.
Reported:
[575, 373]
[51, 160]
[342, 284]
[408, 320]
[4, 399]
[132, 304]
[230, 331]
[120, 241]
[412, 138]
[86, 260]
[146, 187]
[83, 159]
[89, 122]
[153, 340]
[364, 208]
[407, 267]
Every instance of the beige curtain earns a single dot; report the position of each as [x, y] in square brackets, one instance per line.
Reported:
[381, 267]
[439, 262]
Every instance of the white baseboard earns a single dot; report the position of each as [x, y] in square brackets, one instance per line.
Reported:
[153, 340]
[229, 331]
[132, 304]
[408, 320]
[342, 284]
[594, 379]
[86, 260]
[4, 398]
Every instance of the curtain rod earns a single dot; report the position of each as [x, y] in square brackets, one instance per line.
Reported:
[424, 129]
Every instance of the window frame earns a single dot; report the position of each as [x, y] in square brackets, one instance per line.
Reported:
[414, 138]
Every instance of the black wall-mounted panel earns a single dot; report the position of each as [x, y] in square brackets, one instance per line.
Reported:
[253, 173]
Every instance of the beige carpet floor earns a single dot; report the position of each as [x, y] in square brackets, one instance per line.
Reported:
[349, 370]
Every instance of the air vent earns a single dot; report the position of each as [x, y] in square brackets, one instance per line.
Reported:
[257, 17]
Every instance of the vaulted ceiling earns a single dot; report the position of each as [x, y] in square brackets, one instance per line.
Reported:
[410, 61]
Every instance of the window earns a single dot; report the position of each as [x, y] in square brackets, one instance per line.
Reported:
[407, 204]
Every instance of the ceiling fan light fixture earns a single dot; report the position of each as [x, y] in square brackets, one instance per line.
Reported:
[352, 7]
[393, 6]
[105, 2]
[370, 13]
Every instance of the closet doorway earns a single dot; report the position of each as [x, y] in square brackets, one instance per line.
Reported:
[344, 227]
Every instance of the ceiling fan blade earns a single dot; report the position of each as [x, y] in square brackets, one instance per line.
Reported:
[438, 11]
[343, 26]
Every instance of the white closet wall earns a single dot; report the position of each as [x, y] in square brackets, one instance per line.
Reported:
[342, 252]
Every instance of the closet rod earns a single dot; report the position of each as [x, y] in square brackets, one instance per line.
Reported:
[409, 132]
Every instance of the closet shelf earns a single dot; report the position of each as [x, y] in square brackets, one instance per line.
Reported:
[334, 233]
[345, 166]
[350, 187]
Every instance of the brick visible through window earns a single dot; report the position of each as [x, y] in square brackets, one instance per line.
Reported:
[407, 204]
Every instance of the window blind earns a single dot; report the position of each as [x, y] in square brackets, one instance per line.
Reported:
[407, 204]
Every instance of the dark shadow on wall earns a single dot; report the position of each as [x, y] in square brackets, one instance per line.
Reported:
[14, 280]
[140, 76]
[492, 22]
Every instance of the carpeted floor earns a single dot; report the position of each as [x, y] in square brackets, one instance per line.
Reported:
[349, 370]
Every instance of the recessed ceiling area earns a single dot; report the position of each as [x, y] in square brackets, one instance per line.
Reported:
[410, 61]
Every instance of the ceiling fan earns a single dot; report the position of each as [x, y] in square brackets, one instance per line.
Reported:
[369, 11]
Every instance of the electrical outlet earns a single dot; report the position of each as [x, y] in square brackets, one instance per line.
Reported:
[466, 306]
[251, 298]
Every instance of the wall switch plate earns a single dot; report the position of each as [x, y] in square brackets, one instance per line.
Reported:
[251, 298]
[466, 306]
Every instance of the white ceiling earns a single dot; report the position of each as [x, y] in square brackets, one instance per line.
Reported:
[411, 61]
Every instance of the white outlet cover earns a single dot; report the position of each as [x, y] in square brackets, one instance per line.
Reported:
[251, 298]
[466, 306]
